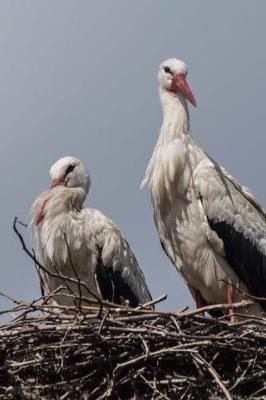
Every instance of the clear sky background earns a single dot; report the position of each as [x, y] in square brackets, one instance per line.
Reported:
[79, 78]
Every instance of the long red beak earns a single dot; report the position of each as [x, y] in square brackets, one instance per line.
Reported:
[57, 182]
[179, 83]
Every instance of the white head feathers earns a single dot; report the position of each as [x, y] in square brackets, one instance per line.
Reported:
[71, 172]
[170, 68]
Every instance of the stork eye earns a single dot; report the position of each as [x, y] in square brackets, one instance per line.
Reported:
[69, 169]
[167, 70]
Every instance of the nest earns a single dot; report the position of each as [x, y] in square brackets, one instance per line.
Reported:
[129, 354]
[106, 351]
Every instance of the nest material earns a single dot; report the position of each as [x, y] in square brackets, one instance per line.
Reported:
[129, 354]
[106, 351]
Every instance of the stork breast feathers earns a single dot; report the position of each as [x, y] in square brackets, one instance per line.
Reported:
[173, 158]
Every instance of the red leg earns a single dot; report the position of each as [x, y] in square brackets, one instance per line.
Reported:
[230, 300]
[199, 300]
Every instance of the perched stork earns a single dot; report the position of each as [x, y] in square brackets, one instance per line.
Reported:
[211, 228]
[82, 243]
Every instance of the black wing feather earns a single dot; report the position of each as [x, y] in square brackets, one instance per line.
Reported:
[104, 281]
[112, 285]
[123, 291]
[244, 257]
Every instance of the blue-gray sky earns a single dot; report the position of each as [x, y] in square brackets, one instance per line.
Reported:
[79, 78]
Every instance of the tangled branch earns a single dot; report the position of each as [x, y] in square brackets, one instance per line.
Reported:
[76, 352]
[128, 353]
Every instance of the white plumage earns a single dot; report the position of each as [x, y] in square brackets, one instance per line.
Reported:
[211, 228]
[73, 241]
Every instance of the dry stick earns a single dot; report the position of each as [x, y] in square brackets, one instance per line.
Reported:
[69, 330]
[21, 306]
[200, 310]
[64, 277]
[197, 311]
[72, 295]
[154, 388]
[149, 333]
[137, 317]
[153, 302]
[101, 324]
[260, 374]
[146, 348]
[260, 391]
[74, 271]
[16, 301]
[250, 317]
[241, 377]
[197, 328]
[65, 396]
[101, 303]
[215, 375]
[71, 292]
[53, 294]
[39, 274]
[179, 315]
[245, 294]
[33, 305]
[45, 307]
[142, 357]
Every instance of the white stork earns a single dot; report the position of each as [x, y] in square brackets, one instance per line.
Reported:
[211, 228]
[82, 243]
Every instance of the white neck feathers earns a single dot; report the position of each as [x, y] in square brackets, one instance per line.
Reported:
[59, 200]
[175, 116]
[175, 126]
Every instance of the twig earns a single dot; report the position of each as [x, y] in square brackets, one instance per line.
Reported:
[212, 371]
[59, 276]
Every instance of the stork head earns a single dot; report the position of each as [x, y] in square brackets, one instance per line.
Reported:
[70, 172]
[172, 78]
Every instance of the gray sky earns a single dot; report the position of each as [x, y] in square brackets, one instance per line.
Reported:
[79, 78]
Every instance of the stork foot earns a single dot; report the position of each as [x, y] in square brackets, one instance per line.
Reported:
[230, 300]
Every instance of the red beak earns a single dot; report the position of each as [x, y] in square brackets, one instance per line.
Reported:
[179, 83]
[57, 182]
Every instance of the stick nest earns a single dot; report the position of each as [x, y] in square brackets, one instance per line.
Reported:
[126, 353]
[106, 351]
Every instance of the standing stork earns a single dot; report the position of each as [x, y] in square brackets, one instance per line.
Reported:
[82, 243]
[211, 228]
